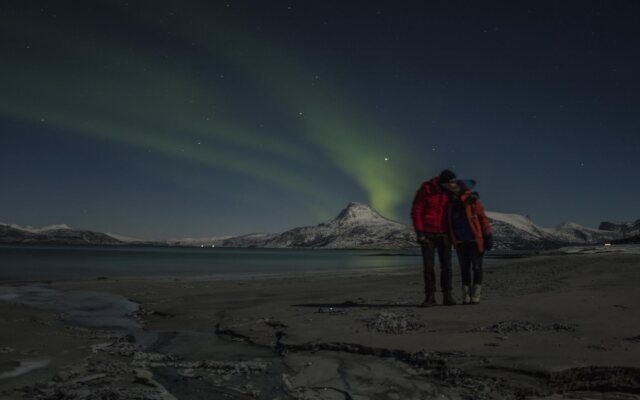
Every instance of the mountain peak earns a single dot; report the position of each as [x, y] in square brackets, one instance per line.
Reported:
[355, 204]
[358, 211]
[570, 225]
[39, 230]
[624, 228]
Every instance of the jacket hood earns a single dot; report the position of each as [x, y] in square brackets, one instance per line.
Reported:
[469, 197]
[466, 184]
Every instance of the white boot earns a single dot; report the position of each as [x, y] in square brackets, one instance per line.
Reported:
[475, 297]
[466, 295]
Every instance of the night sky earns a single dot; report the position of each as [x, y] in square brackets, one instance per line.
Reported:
[161, 119]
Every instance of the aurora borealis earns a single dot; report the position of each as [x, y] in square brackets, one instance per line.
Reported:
[172, 119]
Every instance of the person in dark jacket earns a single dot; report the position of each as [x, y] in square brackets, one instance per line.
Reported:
[470, 233]
[430, 221]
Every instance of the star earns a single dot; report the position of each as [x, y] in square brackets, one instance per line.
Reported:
[386, 158]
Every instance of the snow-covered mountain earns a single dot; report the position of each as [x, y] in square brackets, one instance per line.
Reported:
[514, 231]
[357, 226]
[55, 234]
[630, 231]
[31, 229]
[575, 233]
[249, 240]
[213, 241]
[624, 228]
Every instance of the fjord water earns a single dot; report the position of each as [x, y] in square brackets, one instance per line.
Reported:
[81, 262]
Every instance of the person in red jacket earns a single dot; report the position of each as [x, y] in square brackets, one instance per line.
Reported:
[430, 221]
[470, 233]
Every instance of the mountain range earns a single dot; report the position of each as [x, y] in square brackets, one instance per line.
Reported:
[56, 234]
[358, 226]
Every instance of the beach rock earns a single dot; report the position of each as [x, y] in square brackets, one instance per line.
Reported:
[211, 366]
[99, 379]
[118, 348]
[597, 379]
[331, 310]
[145, 359]
[107, 367]
[503, 328]
[274, 323]
[387, 322]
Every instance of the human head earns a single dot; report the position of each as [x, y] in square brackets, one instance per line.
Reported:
[449, 181]
[446, 176]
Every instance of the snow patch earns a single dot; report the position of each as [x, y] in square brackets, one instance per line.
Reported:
[39, 230]
[521, 222]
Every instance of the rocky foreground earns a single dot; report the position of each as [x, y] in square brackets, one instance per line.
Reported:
[549, 327]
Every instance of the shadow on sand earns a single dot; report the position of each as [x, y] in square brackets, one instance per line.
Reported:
[351, 304]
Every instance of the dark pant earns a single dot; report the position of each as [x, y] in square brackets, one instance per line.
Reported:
[441, 243]
[470, 258]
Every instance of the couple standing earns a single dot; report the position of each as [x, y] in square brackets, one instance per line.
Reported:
[445, 211]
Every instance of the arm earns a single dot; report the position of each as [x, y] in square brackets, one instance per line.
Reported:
[485, 226]
[484, 220]
[417, 209]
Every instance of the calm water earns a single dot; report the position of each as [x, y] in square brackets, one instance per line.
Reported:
[67, 262]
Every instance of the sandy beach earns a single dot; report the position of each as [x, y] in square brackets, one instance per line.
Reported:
[548, 327]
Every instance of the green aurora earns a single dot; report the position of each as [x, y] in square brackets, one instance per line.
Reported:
[101, 87]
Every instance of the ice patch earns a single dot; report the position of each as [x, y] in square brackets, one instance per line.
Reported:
[25, 367]
[86, 309]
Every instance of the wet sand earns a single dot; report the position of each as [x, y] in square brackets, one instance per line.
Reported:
[553, 327]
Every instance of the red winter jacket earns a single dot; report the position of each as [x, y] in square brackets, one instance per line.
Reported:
[478, 220]
[429, 209]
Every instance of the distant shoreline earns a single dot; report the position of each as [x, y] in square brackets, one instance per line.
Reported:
[531, 251]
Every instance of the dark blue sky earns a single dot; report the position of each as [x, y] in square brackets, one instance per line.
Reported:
[162, 119]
